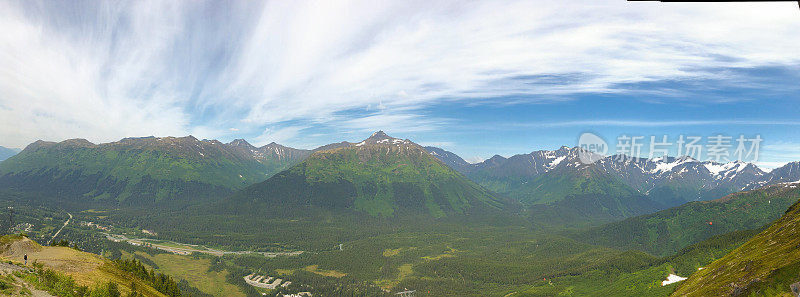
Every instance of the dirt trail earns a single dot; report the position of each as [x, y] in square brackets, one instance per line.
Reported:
[39, 293]
[7, 269]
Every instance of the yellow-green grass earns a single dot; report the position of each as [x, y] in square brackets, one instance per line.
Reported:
[397, 251]
[87, 269]
[403, 271]
[171, 244]
[195, 271]
[446, 254]
[313, 269]
[331, 273]
[646, 282]
[94, 211]
[438, 257]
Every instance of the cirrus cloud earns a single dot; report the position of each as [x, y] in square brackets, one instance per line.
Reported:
[105, 70]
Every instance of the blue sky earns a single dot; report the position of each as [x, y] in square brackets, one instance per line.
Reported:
[475, 77]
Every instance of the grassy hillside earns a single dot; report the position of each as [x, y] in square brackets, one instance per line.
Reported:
[382, 180]
[196, 271]
[667, 231]
[581, 197]
[65, 269]
[642, 281]
[764, 266]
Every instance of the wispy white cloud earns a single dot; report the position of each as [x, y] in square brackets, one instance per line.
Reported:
[172, 68]
[279, 135]
[439, 144]
[644, 123]
[769, 166]
[397, 123]
[56, 85]
[781, 151]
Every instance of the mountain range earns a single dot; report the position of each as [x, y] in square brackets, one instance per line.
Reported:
[381, 176]
[669, 181]
[143, 171]
[6, 153]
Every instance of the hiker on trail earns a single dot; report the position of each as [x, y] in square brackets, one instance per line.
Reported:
[26, 259]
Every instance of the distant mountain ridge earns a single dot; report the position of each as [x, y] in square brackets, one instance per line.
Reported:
[6, 153]
[667, 180]
[269, 152]
[145, 170]
[449, 158]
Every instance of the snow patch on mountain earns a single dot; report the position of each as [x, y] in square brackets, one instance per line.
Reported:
[671, 279]
[555, 162]
[663, 166]
[715, 168]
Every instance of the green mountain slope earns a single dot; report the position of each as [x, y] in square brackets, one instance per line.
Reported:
[504, 175]
[764, 266]
[565, 182]
[667, 231]
[142, 171]
[557, 188]
[381, 176]
[645, 279]
[583, 210]
[575, 194]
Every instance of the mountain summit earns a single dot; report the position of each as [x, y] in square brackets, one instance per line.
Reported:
[379, 135]
[241, 143]
[380, 138]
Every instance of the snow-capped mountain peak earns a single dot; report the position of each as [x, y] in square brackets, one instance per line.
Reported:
[380, 138]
